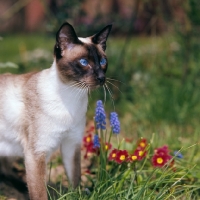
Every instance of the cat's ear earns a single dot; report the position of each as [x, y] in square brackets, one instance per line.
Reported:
[101, 36]
[65, 38]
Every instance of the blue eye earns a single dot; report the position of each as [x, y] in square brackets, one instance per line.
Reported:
[103, 61]
[83, 62]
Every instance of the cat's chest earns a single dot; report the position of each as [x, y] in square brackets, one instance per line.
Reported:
[65, 112]
[62, 116]
[63, 105]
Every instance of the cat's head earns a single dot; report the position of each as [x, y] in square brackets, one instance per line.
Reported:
[81, 60]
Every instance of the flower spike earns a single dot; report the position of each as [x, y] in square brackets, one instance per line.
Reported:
[100, 116]
[114, 122]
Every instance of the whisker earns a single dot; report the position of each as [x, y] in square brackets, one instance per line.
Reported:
[74, 84]
[112, 79]
[85, 90]
[104, 89]
[114, 86]
[81, 90]
[78, 93]
[110, 95]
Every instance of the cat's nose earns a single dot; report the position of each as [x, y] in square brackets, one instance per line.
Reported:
[101, 79]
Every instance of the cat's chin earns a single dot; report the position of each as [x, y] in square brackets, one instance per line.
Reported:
[85, 85]
[94, 87]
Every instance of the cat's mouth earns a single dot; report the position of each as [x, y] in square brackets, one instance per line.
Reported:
[101, 80]
[90, 85]
[94, 86]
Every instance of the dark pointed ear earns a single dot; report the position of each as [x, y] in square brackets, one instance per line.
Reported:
[67, 33]
[65, 37]
[101, 36]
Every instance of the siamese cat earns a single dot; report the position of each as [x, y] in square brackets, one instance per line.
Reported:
[42, 111]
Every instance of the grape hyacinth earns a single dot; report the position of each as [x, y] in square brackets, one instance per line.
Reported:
[114, 122]
[178, 154]
[100, 116]
[96, 141]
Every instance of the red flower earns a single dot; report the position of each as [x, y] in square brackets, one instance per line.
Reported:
[159, 160]
[129, 140]
[161, 157]
[87, 171]
[90, 150]
[87, 140]
[113, 154]
[132, 158]
[108, 146]
[140, 153]
[91, 129]
[162, 150]
[142, 143]
[121, 156]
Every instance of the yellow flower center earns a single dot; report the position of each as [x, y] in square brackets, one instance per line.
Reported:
[141, 153]
[88, 139]
[134, 157]
[122, 157]
[159, 160]
[106, 147]
[113, 155]
[89, 154]
[142, 144]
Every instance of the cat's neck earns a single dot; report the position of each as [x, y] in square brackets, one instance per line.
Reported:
[68, 91]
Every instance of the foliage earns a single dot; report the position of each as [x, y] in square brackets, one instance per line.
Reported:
[155, 102]
[149, 83]
[146, 173]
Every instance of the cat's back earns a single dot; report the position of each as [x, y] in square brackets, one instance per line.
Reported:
[12, 97]
[14, 82]
[12, 106]
[12, 87]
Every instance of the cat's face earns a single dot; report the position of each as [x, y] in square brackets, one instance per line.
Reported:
[81, 60]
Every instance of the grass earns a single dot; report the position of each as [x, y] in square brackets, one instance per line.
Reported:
[155, 99]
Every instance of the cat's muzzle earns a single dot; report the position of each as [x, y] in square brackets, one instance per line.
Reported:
[101, 80]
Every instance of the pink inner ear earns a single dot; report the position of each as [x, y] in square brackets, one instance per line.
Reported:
[62, 35]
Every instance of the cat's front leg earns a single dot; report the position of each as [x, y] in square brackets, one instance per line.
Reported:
[35, 175]
[71, 155]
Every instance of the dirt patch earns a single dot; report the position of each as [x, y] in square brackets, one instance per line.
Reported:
[13, 177]
[8, 192]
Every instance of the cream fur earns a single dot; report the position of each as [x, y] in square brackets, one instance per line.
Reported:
[40, 112]
[63, 113]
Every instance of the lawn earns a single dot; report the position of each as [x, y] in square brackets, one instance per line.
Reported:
[154, 87]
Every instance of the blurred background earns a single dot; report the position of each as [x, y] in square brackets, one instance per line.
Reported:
[153, 53]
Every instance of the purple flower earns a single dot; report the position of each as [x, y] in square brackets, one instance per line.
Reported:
[100, 116]
[178, 154]
[96, 141]
[114, 122]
